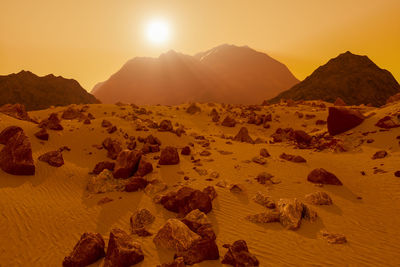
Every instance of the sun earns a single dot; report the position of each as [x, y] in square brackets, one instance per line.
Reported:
[158, 31]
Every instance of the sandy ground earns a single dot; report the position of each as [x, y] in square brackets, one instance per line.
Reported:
[43, 216]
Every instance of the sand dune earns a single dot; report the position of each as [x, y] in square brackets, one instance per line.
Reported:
[43, 216]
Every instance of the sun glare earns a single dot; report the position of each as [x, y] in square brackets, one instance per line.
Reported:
[158, 31]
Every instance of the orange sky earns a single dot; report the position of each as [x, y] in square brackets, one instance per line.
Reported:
[89, 40]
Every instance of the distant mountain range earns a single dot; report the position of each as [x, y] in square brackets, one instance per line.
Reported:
[227, 73]
[41, 92]
[353, 78]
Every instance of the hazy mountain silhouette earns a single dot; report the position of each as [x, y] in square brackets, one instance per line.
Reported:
[355, 79]
[41, 92]
[226, 74]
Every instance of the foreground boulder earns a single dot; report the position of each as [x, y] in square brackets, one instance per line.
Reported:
[88, 250]
[122, 250]
[169, 156]
[53, 158]
[238, 255]
[185, 200]
[321, 176]
[243, 136]
[342, 119]
[127, 163]
[16, 156]
[175, 235]
[9, 132]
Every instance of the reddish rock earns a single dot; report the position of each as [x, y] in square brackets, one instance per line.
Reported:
[144, 167]
[201, 250]
[339, 102]
[292, 158]
[148, 148]
[139, 220]
[122, 250]
[127, 163]
[193, 108]
[387, 123]
[238, 255]
[321, 176]
[103, 165]
[165, 126]
[341, 120]
[264, 153]
[169, 156]
[178, 262]
[185, 151]
[71, 113]
[393, 98]
[380, 154]
[52, 123]
[17, 111]
[16, 156]
[113, 147]
[210, 191]
[152, 140]
[53, 158]
[9, 132]
[88, 250]
[228, 122]
[111, 129]
[243, 136]
[42, 134]
[106, 124]
[136, 183]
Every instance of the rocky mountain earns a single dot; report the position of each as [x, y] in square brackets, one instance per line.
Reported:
[227, 73]
[353, 78]
[42, 92]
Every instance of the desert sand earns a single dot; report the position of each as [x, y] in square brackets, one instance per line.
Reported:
[43, 216]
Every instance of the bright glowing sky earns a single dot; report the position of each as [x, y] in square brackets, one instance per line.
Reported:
[90, 40]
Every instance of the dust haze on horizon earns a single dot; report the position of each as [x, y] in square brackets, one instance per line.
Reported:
[90, 40]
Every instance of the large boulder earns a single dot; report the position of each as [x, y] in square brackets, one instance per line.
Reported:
[196, 219]
[127, 163]
[238, 255]
[16, 156]
[53, 158]
[113, 147]
[88, 250]
[185, 200]
[342, 119]
[9, 132]
[322, 176]
[169, 156]
[243, 136]
[175, 235]
[122, 250]
[145, 167]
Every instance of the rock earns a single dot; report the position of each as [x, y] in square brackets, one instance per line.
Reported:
[16, 155]
[263, 177]
[105, 182]
[42, 135]
[342, 119]
[185, 200]
[154, 187]
[291, 213]
[393, 98]
[144, 167]
[333, 238]
[339, 102]
[264, 217]
[112, 129]
[243, 136]
[165, 126]
[147, 148]
[193, 108]
[387, 123]
[17, 111]
[53, 158]
[319, 198]
[103, 165]
[169, 156]
[139, 220]
[302, 138]
[200, 250]
[9, 132]
[71, 113]
[185, 151]
[321, 176]
[196, 219]
[259, 160]
[210, 191]
[106, 124]
[178, 262]
[228, 122]
[152, 140]
[175, 235]
[113, 147]
[127, 163]
[104, 200]
[122, 250]
[237, 188]
[292, 158]
[264, 200]
[136, 183]
[52, 123]
[88, 250]
[238, 255]
[264, 153]
[397, 173]
[380, 154]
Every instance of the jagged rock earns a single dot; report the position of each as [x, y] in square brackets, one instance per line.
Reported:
[292, 158]
[102, 166]
[16, 155]
[228, 122]
[139, 220]
[341, 120]
[264, 153]
[42, 134]
[113, 147]
[319, 198]
[380, 154]
[52, 123]
[144, 167]
[387, 122]
[196, 219]
[136, 183]
[122, 250]
[9, 132]
[264, 200]
[169, 156]
[243, 136]
[127, 163]
[112, 129]
[185, 151]
[333, 238]
[193, 108]
[238, 255]
[165, 126]
[321, 176]
[88, 250]
[175, 235]
[291, 213]
[53, 158]
[201, 250]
